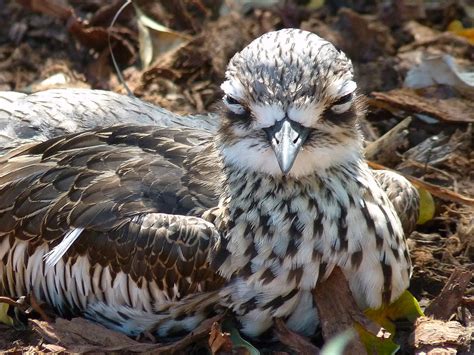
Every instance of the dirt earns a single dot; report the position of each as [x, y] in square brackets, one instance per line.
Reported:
[37, 42]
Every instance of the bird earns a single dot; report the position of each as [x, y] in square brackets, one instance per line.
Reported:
[156, 226]
[50, 113]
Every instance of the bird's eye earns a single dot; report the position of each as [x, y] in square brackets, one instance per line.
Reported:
[231, 101]
[342, 104]
[235, 106]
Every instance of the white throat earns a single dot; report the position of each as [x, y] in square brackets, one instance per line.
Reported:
[244, 155]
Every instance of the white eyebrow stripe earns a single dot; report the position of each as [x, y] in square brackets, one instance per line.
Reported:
[347, 88]
[233, 88]
[267, 115]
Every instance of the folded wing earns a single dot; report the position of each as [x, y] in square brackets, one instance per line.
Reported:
[109, 216]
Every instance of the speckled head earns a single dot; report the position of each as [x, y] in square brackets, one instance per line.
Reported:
[290, 105]
[288, 68]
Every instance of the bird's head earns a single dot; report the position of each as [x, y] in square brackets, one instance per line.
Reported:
[290, 106]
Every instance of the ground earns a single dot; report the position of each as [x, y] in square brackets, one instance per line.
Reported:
[399, 50]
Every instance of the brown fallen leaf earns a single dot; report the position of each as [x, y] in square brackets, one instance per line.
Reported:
[451, 296]
[364, 38]
[449, 110]
[88, 36]
[219, 341]
[338, 311]
[79, 335]
[296, 342]
[52, 8]
[419, 32]
[53, 348]
[437, 43]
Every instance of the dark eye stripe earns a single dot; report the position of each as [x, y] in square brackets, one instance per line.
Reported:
[231, 101]
[344, 99]
[245, 116]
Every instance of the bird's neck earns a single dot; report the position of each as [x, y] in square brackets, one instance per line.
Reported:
[248, 191]
[261, 216]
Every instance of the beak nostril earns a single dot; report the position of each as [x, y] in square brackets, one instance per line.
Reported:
[286, 138]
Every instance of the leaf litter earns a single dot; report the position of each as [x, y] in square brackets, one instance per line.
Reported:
[412, 60]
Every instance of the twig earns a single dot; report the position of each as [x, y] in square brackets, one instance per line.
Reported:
[36, 307]
[435, 190]
[451, 296]
[389, 142]
[8, 300]
[19, 303]
[414, 163]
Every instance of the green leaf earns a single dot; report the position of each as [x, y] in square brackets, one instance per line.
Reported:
[427, 206]
[375, 345]
[405, 307]
[4, 317]
[237, 340]
[315, 4]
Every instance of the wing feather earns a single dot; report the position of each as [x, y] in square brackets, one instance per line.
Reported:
[118, 197]
[403, 195]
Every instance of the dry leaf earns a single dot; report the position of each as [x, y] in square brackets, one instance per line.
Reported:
[80, 335]
[219, 341]
[450, 110]
[440, 70]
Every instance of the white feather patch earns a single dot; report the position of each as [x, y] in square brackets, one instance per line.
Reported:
[233, 88]
[52, 257]
[347, 88]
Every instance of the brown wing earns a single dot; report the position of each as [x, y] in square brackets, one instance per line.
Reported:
[163, 249]
[117, 188]
[403, 195]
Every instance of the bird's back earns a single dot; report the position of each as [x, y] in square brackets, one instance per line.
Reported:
[51, 113]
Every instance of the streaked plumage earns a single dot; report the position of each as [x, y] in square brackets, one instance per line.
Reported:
[157, 227]
[47, 114]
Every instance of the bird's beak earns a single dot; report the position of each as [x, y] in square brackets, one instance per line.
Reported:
[286, 138]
